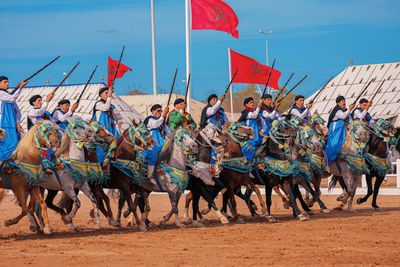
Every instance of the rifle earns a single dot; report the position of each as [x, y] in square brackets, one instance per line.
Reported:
[377, 91]
[280, 92]
[362, 92]
[84, 88]
[69, 73]
[315, 97]
[187, 89]
[172, 87]
[233, 77]
[119, 63]
[33, 75]
[269, 76]
[280, 100]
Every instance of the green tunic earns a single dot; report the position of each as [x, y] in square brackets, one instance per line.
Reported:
[176, 119]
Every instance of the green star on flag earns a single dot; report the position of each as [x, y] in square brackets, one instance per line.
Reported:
[220, 14]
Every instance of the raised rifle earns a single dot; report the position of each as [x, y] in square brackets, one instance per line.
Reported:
[362, 92]
[280, 100]
[33, 75]
[87, 83]
[69, 73]
[269, 76]
[119, 63]
[319, 92]
[283, 88]
[377, 91]
[172, 87]
[187, 88]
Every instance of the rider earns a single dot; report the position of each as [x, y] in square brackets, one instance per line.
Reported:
[159, 130]
[270, 113]
[337, 123]
[362, 114]
[105, 114]
[62, 112]
[213, 113]
[299, 110]
[10, 118]
[252, 118]
[178, 116]
[38, 110]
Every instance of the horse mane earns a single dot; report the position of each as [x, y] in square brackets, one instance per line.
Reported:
[64, 145]
[26, 147]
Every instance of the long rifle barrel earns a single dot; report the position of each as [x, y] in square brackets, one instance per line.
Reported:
[269, 76]
[69, 73]
[362, 92]
[119, 63]
[172, 87]
[283, 88]
[280, 100]
[84, 88]
[377, 91]
[36, 73]
[233, 77]
[187, 88]
[319, 92]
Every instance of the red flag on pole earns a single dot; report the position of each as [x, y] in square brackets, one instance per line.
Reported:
[214, 15]
[251, 71]
[112, 67]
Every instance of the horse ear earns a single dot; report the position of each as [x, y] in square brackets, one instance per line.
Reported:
[134, 123]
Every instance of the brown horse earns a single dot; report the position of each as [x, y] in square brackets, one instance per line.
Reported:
[27, 151]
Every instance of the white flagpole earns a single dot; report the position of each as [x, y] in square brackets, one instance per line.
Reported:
[153, 43]
[230, 77]
[187, 25]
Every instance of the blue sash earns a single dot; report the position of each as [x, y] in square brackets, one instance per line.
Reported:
[249, 151]
[335, 141]
[9, 124]
[152, 155]
[218, 119]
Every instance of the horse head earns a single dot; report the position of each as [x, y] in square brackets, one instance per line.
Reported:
[102, 135]
[318, 124]
[79, 130]
[46, 133]
[309, 139]
[239, 131]
[211, 133]
[143, 137]
[185, 140]
[2, 134]
[385, 128]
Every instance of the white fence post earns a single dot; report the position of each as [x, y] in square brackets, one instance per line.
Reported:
[363, 181]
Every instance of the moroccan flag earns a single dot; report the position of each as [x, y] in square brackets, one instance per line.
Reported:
[214, 15]
[251, 71]
[112, 68]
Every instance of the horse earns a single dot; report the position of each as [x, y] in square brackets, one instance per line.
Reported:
[350, 163]
[27, 173]
[75, 140]
[377, 158]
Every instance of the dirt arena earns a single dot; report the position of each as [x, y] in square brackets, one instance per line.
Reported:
[363, 238]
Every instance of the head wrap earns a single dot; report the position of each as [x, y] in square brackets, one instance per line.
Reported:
[64, 101]
[266, 96]
[102, 90]
[211, 97]
[156, 106]
[2, 78]
[363, 100]
[33, 99]
[298, 97]
[178, 101]
[247, 100]
[340, 98]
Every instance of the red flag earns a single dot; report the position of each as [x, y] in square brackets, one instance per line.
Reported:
[214, 15]
[112, 68]
[251, 71]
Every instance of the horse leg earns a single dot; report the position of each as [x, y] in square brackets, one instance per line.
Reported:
[316, 181]
[20, 195]
[370, 191]
[51, 194]
[295, 208]
[70, 191]
[268, 201]
[174, 198]
[246, 197]
[260, 198]
[234, 206]
[378, 182]
[2, 193]
[186, 216]
[132, 207]
[36, 195]
[107, 212]
[297, 195]
[86, 190]
[195, 206]
[315, 196]
[144, 206]
[282, 197]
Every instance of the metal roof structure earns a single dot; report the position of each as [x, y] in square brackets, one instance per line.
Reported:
[72, 92]
[352, 80]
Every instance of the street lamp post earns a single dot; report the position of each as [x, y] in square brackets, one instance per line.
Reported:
[266, 47]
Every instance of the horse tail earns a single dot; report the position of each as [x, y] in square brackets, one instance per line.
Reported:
[114, 194]
[63, 201]
[332, 182]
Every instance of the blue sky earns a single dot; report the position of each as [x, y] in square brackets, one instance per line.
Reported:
[309, 37]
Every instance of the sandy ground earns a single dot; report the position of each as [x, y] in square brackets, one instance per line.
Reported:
[363, 238]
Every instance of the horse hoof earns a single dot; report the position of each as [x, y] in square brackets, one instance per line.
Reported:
[352, 210]
[286, 205]
[205, 221]
[64, 219]
[114, 223]
[254, 206]
[240, 221]
[180, 225]
[310, 212]
[325, 211]
[301, 217]
[143, 228]
[97, 225]
[72, 227]
[8, 222]
[47, 231]
[338, 208]
[130, 224]
[126, 213]
[224, 220]
[256, 215]
[197, 224]
[205, 211]
[378, 209]
[33, 228]
[359, 200]
[271, 219]
[91, 213]
[152, 225]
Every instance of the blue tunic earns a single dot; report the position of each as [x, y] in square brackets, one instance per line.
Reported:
[249, 152]
[45, 116]
[10, 115]
[63, 125]
[152, 155]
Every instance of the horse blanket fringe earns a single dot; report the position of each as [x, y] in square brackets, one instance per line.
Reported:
[303, 170]
[380, 165]
[132, 169]
[34, 174]
[356, 163]
[82, 171]
[239, 164]
[178, 176]
[278, 167]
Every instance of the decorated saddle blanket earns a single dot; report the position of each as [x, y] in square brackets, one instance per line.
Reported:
[380, 165]
[34, 174]
[239, 164]
[178, 176]
[278, 167]
[82, 171]
[355, 162]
